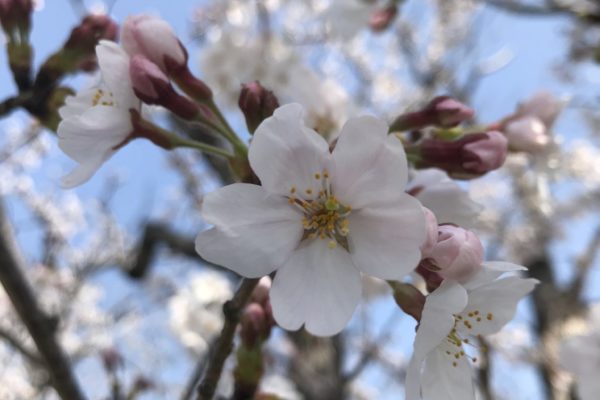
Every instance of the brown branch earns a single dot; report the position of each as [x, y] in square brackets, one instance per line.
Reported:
[40, 326]
[224, 343]
[155, 234]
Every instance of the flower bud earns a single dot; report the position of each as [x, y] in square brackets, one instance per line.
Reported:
[15, 15]
[383, 18]
[260, 294]
[255, 326]
[468, 157]
[527, 134]
[257, 104]
[457, 255]
[442, 111]
[89, 32]
[79, 51]
[154, 39]
[111, 359]
[544, 106]
[431, 226]
[152, 86]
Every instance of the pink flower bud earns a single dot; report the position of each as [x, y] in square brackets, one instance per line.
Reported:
[544, 106]
[442, 111]
[260, 294]
[15, 14]
[257, 104]
[448, 112]
[383, 18]
[254, 324]
[467, 157]
[457, 255]
[485, 155]
[93, 28]
[431, 225]
[152, 86]
[527, 134]
[154, 39]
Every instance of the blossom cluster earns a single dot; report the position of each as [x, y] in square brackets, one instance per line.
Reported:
[319, 214]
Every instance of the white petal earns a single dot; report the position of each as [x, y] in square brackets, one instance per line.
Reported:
[437, 319]
[318, 287]
[243, 204]
[251, 250]
[76, 105]
[95, 132]
[385, 241]
[445, 198]
[496, 304]
[442, 380]
[371, 166]
[490, 271]
[114, 66]
[436, 323]
[83, 172]
[285, 154]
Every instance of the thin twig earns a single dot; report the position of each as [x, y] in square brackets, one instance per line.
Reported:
[39, 325]
[13, 341]
[224, 343]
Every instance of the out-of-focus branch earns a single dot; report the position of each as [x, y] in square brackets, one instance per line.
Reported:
[29, 354]
[38, 324]
[584, 263]
[156, 234]
[224, 343]
[485, 370]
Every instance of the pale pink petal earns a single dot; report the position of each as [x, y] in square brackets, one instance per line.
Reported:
[318, 287]
[252, 250]
[436, 323]
[84, 171]
[114, 67]
[285, 154]
[445, 377]
[490, 271]
[385, 241]
[371, 166]
[491, 306]
[243, 204]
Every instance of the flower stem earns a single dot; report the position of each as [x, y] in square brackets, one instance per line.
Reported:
[223, 346]
[203, 147]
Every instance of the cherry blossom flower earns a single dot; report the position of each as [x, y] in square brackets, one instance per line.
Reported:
[319, 218]
[444, 197]
[96, 122]
[453, 313]
[196, 311]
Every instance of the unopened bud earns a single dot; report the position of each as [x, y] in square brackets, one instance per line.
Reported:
[383, 18]
[544, 106]
[257, 104]
[154, 39]
[111, 359]
[442, 111]
[255, 326]
[15, 17]
[141, 384]
[468, 157]
[260, 294]
[431, 225]
[432, 279]
[527, 134]
[152, 86]
[457, 255]
[89, 32]
[79, 51]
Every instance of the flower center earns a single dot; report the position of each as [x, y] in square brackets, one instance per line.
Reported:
[103, 98]
[325, 217]
[455, 341]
